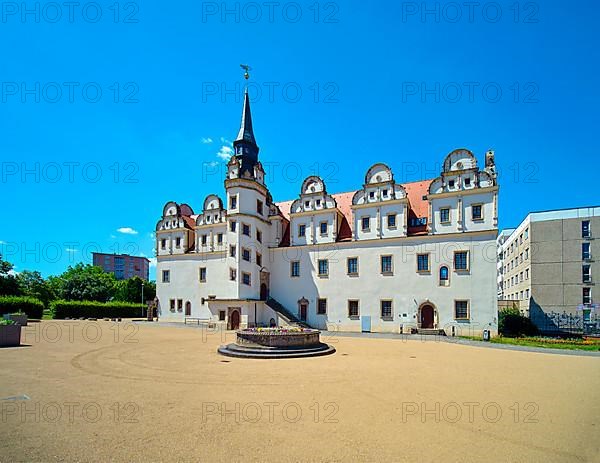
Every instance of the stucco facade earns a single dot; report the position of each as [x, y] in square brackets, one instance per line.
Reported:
[384, 258]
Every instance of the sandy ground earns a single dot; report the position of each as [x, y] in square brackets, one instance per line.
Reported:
[107, 392]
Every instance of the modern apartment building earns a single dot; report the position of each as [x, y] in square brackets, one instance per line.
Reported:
[547, 264]
[123, 266]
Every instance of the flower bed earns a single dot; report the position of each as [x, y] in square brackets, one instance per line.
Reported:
[278, 337]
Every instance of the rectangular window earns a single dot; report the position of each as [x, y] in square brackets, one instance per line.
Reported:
[353, 309]
[527, 294]
[527, 274]
[321, 306]
[386, 264]
[245, 229]
[232, 252]
[527, 254]
[178, 242]
[233, 202]
[259, 259]
[445, 215]
[423, 262]
[295, 268]
[203, 240]
[587, 295]
[477, 212]
[585, 251]
[246, 279]
[365, 223]
[163, 245]
[221, 315]
[232, 274]
[391, 220]
[352, 265]
[246, 254]
[259, 207]
[323, 226]
[586, 271]
[202, 274]
[179, 305]
[461, 310]
[166, 276]
[526, 233]
[172, 305]
[323, 267]
[585, 229]
[301, 230]
[259, 236]
[386, 310]
[461, 260]
[220, 238]
[233, 226]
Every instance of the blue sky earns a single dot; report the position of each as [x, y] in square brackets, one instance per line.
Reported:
[107, 113]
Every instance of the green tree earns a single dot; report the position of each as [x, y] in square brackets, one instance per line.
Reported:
[130, 290]
[9, 285]
[31, 283]
[84, 283]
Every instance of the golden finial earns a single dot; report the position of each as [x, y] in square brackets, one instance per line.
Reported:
[246, 69]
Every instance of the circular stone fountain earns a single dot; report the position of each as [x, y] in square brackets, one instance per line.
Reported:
[276, 343]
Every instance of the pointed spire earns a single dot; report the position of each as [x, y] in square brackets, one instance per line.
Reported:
[246, 133]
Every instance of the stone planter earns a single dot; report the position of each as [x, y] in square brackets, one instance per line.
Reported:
[19, 319]
[10, 335]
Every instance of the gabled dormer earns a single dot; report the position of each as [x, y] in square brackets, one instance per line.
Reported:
[314, 216]
[175, 229]
[211, 225]
[380, 208]
[464, 198]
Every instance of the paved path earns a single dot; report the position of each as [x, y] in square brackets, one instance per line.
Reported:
[468, 342]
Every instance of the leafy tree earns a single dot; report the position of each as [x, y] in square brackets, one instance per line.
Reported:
[31, 283]
[8, 282]
[84, 283]
[131, 290]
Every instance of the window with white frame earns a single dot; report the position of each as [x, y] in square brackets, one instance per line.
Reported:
[295, 268]
[166, 276]
[587, 295]
[246, 279]
[585, 229]
[323, 266]
[352, 265]
[365, 223]
[202, 274]
[386, 264]
[461, 260]
[301, 230]
[445, 215]
[461, 310]
[391, 220]
[353, 309]
[322, 306]
[386, 309]
[323, 228]
[477, 211]
[422, 262]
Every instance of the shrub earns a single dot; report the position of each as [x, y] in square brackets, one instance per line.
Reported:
[4, 322]
[34, 308]
[511, 323]
[92, 309]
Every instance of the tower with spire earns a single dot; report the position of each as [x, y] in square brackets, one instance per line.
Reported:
[245, 147]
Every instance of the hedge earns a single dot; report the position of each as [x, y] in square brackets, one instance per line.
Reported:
[91, 309]
[34, 308]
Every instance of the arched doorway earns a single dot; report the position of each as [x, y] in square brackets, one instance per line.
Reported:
[264, 292]
[427, 316]
[188, 308]
[303, 309]
[234, 320]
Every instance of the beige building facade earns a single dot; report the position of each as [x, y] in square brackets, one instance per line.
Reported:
[547, 265]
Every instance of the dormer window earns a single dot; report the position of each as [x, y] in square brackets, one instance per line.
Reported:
[371, 194]
[451, 184]
[385, 193]
[468, 181]
[306, 203]
[318, 202]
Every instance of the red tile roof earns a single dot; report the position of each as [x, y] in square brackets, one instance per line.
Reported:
[415, 191]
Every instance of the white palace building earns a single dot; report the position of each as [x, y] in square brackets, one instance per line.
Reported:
[387, 257]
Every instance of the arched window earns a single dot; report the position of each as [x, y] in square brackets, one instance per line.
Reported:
[444, 276]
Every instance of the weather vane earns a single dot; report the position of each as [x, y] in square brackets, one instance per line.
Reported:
[246, 69]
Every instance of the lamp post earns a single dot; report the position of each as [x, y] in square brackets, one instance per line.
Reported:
[142, 298]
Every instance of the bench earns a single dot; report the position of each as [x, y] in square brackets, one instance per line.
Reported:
[199, 321]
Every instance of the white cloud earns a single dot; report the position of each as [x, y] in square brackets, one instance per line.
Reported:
[225, 141]
[206, 140]
[127, 231]
[225, 152]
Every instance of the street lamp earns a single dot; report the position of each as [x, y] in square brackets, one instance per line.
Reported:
[142, 298]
